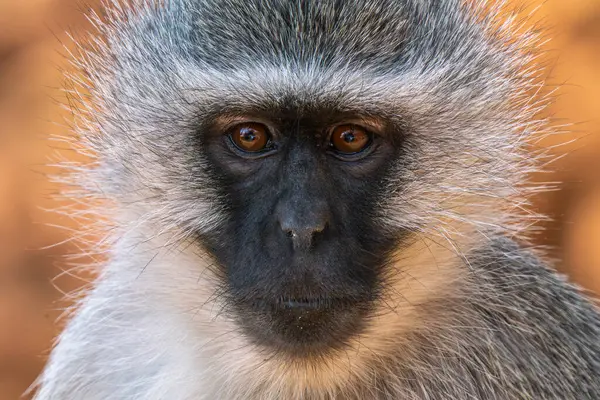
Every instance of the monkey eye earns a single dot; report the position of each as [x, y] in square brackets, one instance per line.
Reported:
[350, 139]
[250, 137]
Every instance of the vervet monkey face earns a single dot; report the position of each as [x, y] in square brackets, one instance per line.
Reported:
[300, 142]
[300, 247]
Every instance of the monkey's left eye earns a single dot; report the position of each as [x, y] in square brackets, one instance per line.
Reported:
[250, 137]
[350, 139]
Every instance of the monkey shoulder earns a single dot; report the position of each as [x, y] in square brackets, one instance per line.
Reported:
[513, 329]
[113, 349]
[541, 333]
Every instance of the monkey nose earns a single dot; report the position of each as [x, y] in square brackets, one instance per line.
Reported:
[303, 238]
[303, 229]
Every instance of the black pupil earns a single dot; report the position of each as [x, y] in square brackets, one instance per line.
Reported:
[248, 135]
[348, 136]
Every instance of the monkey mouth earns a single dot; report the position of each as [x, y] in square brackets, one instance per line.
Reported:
[306, 303]
[303, 325]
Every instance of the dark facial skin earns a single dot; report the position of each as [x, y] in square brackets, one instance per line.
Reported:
[301, 253]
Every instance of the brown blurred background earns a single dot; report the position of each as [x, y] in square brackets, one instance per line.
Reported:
[32, 57]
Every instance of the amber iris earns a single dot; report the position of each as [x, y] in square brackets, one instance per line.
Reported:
[250, 137]
[349, 139]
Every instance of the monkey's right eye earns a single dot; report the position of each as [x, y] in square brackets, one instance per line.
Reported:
[250, 137]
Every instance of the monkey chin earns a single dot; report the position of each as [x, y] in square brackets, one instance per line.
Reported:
[304, 327]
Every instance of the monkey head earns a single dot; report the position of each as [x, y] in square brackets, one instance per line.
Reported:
[305, 147]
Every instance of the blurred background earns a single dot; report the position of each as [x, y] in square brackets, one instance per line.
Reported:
[33, 273]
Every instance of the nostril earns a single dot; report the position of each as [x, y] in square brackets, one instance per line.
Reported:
[304, 238]
[302, 226]
[321, 228]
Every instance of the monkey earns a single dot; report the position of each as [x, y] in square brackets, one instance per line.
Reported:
[317, 200]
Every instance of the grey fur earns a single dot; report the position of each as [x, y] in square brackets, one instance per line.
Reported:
[504, 327]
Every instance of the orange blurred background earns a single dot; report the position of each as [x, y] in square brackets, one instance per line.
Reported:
[33, 274]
